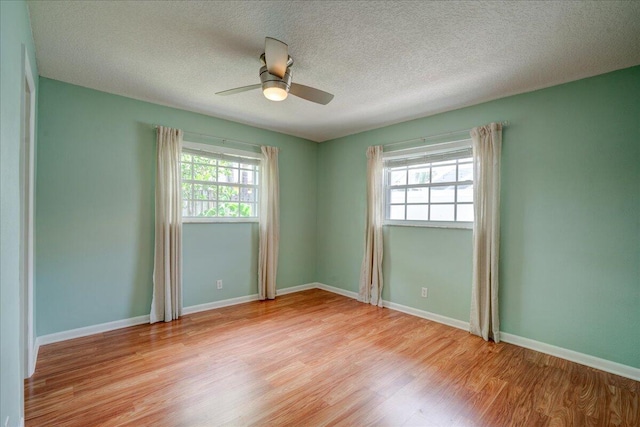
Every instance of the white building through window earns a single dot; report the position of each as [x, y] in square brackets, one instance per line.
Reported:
[430, 186]
[219, 184]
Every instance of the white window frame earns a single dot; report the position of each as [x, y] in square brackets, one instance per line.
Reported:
[434, 149]
[215, 149]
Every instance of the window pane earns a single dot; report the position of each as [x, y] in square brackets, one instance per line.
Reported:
[396, 212]
[398, 177]
[185, 208]
[227, 175]
[253, 210]
[247, 195]
[185, 157]
[419, 176]
[397, 196]
[442, 194]
[228, 209]
[465, 172]
[204, 192]
[465, 193]
[197, 208]
[209, 208]
[442, 213]
[443, 173]
[209, 192]
[417, 195]
[246, 177]
[198, 192]
[186, 170]
[186, 191]
[204, 160]
[418, 212]
[204, 172]
[465, 213]
[245, 210]
[228, 193]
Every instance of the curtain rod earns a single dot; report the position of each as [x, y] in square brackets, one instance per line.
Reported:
[235, 141]
[426, 138]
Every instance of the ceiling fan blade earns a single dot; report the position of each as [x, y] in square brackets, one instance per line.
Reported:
[310, 94]
[238, 90]
[276, 55]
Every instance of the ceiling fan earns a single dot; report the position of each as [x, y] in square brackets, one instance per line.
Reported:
[275, 75]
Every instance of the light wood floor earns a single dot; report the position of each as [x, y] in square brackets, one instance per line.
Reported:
[315, 358]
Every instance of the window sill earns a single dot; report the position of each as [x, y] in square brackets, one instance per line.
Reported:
[432, 224]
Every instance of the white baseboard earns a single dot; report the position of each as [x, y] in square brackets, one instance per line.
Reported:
[338, 291]
[573, 356]
[403, 308]
[219, 304]
[449, 321]
[90, 330]
[241, 300]
[299, 288]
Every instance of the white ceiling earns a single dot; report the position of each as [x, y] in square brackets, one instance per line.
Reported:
[386, 62]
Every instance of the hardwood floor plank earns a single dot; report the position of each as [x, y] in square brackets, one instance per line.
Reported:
[314, 358]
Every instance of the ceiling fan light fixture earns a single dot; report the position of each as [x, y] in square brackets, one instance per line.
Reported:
[275, 92]
[275, 88]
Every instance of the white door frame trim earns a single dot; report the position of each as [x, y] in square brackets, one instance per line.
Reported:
[27, 176]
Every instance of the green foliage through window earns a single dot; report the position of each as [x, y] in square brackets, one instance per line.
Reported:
[219, 186]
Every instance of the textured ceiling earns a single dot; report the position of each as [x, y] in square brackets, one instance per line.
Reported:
[386, 62]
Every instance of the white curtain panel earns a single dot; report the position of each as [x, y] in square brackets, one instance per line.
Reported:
[166, 304]
[487, 143]
[269, 224]
[371, 269]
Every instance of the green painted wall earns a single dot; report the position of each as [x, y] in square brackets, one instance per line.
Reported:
[236, 266]
[570, 258]
[15, 32]
[95, 203]
[570, 245]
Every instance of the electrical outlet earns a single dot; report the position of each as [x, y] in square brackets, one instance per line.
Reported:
[219, 284]
[425, 293]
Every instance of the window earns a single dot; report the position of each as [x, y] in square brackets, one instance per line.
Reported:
[430, 186]
[219, 186]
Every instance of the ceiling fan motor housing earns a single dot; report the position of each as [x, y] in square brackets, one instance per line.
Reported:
[275, 77]
[269, 80]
